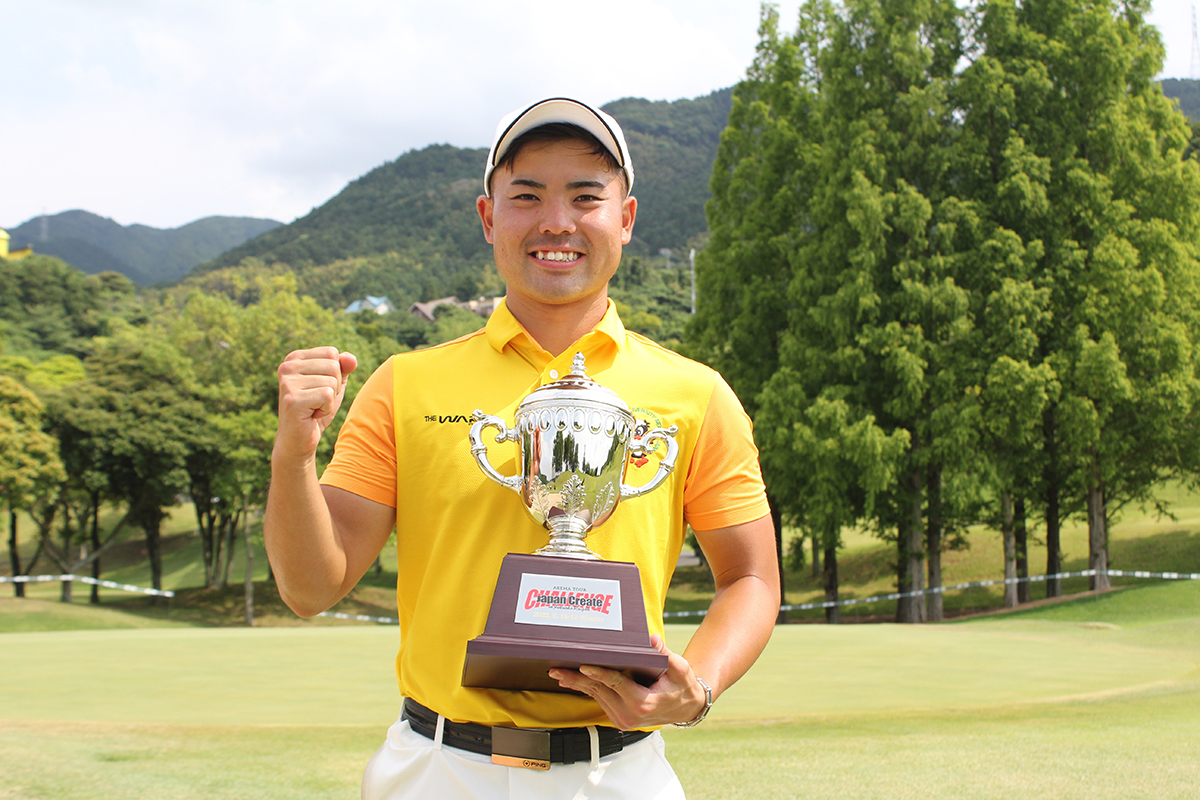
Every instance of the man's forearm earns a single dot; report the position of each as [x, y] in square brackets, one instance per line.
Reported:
[734, 631]
[305, 552]
[742, 615]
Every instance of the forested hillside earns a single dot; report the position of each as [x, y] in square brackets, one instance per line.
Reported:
[143, 254]
[672, 146]
[408, 229]
[1187, 93]
[49, 308]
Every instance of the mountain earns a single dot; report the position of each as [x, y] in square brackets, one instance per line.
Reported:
[423, 202]
[1187, 92]
[673, 146]
[144, 254]
[417, 213]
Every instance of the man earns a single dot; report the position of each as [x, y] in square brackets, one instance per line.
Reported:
[557, 210]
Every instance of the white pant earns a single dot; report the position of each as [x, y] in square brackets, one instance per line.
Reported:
[408, 765]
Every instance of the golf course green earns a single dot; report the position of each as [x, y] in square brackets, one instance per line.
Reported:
[1094, 698]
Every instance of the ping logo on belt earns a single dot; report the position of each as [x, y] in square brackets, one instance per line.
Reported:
[524, 763]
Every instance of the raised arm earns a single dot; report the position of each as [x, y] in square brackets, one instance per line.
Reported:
[320, 540]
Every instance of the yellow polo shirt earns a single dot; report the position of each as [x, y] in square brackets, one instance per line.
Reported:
[404, 444]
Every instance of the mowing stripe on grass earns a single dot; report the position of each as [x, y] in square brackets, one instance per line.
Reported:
[237, 676]
[343, 675]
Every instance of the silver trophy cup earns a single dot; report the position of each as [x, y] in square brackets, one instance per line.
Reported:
[575, 437]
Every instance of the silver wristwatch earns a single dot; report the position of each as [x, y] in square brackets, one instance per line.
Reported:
[708, 702]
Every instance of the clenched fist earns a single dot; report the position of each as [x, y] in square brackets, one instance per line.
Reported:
[312, 384]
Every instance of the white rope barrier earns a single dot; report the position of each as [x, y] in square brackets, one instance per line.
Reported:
[359, 617]
[1087, 573]
[1112, 573]
[1171, 576]
[125, 587]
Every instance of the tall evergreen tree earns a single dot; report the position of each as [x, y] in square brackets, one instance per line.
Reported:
[988, 236]
[1073, 160]
[743, 274]
[823, 184]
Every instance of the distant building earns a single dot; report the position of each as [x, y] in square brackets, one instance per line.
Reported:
[484, 307]
[12, 255]
[427, 311]
[380, 305]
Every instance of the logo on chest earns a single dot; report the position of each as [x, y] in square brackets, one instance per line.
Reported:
[443, 419]
[645, 420]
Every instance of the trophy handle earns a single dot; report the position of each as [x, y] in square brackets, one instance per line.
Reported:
[479, 449]
[664, 467]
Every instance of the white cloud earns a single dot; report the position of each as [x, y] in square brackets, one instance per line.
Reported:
[1174, 21]
[162, 113]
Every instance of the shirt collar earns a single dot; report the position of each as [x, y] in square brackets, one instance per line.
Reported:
[502, 327]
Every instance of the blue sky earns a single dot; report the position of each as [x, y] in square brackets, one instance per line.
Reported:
[164, 112]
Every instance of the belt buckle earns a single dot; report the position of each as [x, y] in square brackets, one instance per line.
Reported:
[528, 748]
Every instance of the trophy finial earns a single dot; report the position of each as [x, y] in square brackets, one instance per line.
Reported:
[577, 368]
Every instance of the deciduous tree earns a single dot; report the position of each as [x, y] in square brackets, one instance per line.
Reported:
[30, 469]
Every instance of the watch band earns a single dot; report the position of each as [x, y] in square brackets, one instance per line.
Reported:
[708, 702]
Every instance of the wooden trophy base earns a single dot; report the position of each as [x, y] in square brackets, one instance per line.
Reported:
[550, 612]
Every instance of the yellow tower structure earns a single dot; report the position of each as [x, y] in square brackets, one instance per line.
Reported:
[12, 255]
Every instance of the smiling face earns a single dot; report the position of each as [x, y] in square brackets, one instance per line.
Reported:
[557, 220]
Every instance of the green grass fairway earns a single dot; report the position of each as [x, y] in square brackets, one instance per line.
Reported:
[1143, 747]
[1098, 698]
[116, 761]
[196, 676]
[32, 614]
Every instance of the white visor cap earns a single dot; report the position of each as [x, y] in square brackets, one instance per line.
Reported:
[558, 109]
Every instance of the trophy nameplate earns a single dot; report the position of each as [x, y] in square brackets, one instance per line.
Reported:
[564, 606]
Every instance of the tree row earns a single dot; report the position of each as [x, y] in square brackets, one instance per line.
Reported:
[953, 274]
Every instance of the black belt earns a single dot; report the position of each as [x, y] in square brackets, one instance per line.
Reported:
[535, 748]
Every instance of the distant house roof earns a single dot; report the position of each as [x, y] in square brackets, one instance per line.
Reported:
[380, 305]
[426, 311]
[484, 306]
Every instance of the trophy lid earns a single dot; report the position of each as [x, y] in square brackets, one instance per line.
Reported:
[574, 387]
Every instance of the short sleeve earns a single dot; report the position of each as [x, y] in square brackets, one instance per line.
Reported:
[364, 458]
[724, 482]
